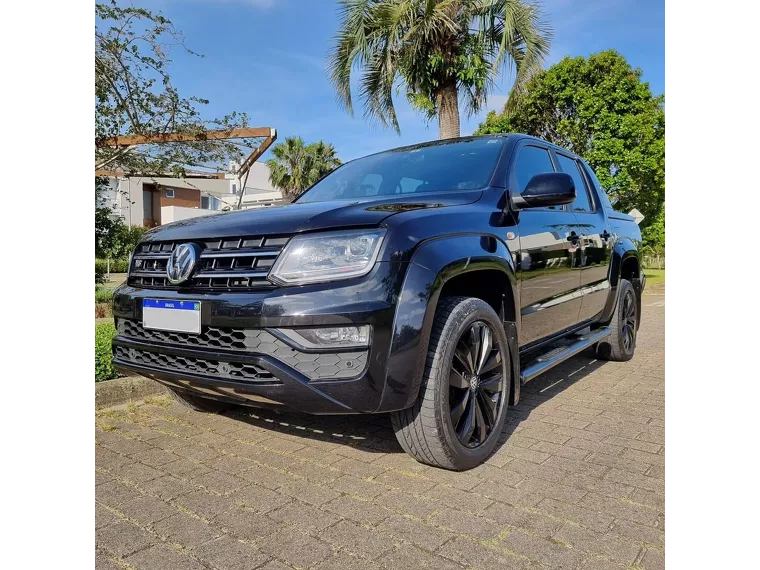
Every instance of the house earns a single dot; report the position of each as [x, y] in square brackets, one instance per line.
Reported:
[154, 200]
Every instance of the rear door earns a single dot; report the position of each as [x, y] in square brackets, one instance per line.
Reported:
[546, 265]
[596, 242]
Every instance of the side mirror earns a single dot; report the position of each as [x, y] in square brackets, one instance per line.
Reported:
[548, 189]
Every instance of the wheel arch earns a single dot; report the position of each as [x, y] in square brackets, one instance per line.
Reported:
[625, 263]
[471, 265]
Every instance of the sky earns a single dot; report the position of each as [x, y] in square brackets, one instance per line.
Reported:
[268, 58]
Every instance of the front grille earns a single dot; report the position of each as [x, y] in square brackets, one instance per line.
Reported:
[315, 366]
[225, 264]
[232, 370]
[211, 337]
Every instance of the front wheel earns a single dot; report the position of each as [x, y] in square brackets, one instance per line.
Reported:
[462, 406]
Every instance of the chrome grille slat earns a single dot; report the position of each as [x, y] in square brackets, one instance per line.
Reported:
[233, 263]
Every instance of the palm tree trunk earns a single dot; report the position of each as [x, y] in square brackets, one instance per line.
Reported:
[448, 111]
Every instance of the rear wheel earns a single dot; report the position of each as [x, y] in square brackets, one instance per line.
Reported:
[198, 403]
[460, 412]
[621, 344]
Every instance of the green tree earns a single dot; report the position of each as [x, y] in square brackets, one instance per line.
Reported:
[439, 50]
[297, 166]
[134, 95]
[599, 108]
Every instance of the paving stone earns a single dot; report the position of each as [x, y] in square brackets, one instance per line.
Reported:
[309, 493]
[102, 562]
[260, 499]
[296, 548]
[139, 473]
[473, 554]
[605, 544]
[304, 517]
[358, 540]
[574, 513]
[346, 561]
[122, 538]
[358, 468]
[185, 530]
[467, 524]
[163, 557]
[147, 510]
[115, 493]
[541, 550]
[414, 531]
[154, 457]
[405, 503]
[356, 510]
[412, 557]
[246, 524]
[219, 482]
[505, 515]
[351, 485]
[406, 483]
[103, 516]
[205, 504]
[458, 499]
[228, 553]
[167, 487]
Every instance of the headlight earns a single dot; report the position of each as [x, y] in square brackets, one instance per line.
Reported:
[327, 257]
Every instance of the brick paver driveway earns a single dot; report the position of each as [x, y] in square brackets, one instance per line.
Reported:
[579, 483]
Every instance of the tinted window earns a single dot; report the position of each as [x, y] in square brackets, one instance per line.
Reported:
[582, 201]
[455, 165]
[598, 186]
[532, 160]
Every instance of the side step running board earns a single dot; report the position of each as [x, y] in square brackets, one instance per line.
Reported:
[557, 355]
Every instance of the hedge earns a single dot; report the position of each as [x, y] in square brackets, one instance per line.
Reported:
[103, 294]
[104, 369]
[117, 265]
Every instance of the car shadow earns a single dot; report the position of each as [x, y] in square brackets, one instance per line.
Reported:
[373, 433]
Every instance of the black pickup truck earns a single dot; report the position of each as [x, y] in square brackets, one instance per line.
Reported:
[428, 281]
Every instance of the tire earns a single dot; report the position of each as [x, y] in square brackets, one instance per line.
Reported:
[198, 403]
[621, 344]
[427, 431]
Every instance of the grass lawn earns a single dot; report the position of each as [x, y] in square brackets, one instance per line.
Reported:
[655, 277]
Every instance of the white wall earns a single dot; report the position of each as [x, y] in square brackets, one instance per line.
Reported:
[171, 214]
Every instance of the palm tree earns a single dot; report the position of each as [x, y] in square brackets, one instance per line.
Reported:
[440, 50]
[297, 166]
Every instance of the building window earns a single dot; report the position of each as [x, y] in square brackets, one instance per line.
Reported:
[234, 188]
[169, 193]
[209, 203]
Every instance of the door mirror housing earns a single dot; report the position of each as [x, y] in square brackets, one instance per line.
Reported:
[548, 189]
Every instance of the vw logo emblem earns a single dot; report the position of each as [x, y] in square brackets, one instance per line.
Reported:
[182, 262]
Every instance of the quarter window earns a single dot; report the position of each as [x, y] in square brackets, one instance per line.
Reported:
[582, 201]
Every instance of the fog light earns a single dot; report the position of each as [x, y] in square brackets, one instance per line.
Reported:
[328, 337]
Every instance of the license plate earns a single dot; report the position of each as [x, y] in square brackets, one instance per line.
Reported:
[176, 316]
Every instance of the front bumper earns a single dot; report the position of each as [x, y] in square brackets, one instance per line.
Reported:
[261, 369]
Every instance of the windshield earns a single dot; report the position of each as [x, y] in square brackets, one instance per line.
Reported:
[456, 165]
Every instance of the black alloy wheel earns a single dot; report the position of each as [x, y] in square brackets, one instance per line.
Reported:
[476, 384]
[628, 328]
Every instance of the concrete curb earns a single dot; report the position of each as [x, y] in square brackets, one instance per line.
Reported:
[122, 390]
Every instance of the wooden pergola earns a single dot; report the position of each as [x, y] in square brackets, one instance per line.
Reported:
[128, 142]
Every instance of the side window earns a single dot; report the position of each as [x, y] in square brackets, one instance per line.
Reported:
[582, 201]
[598, 186]
[532, 160]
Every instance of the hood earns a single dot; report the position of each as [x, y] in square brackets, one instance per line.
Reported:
[304, 217]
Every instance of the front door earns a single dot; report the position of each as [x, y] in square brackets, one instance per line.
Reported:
[596, 242]
[548, 277]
